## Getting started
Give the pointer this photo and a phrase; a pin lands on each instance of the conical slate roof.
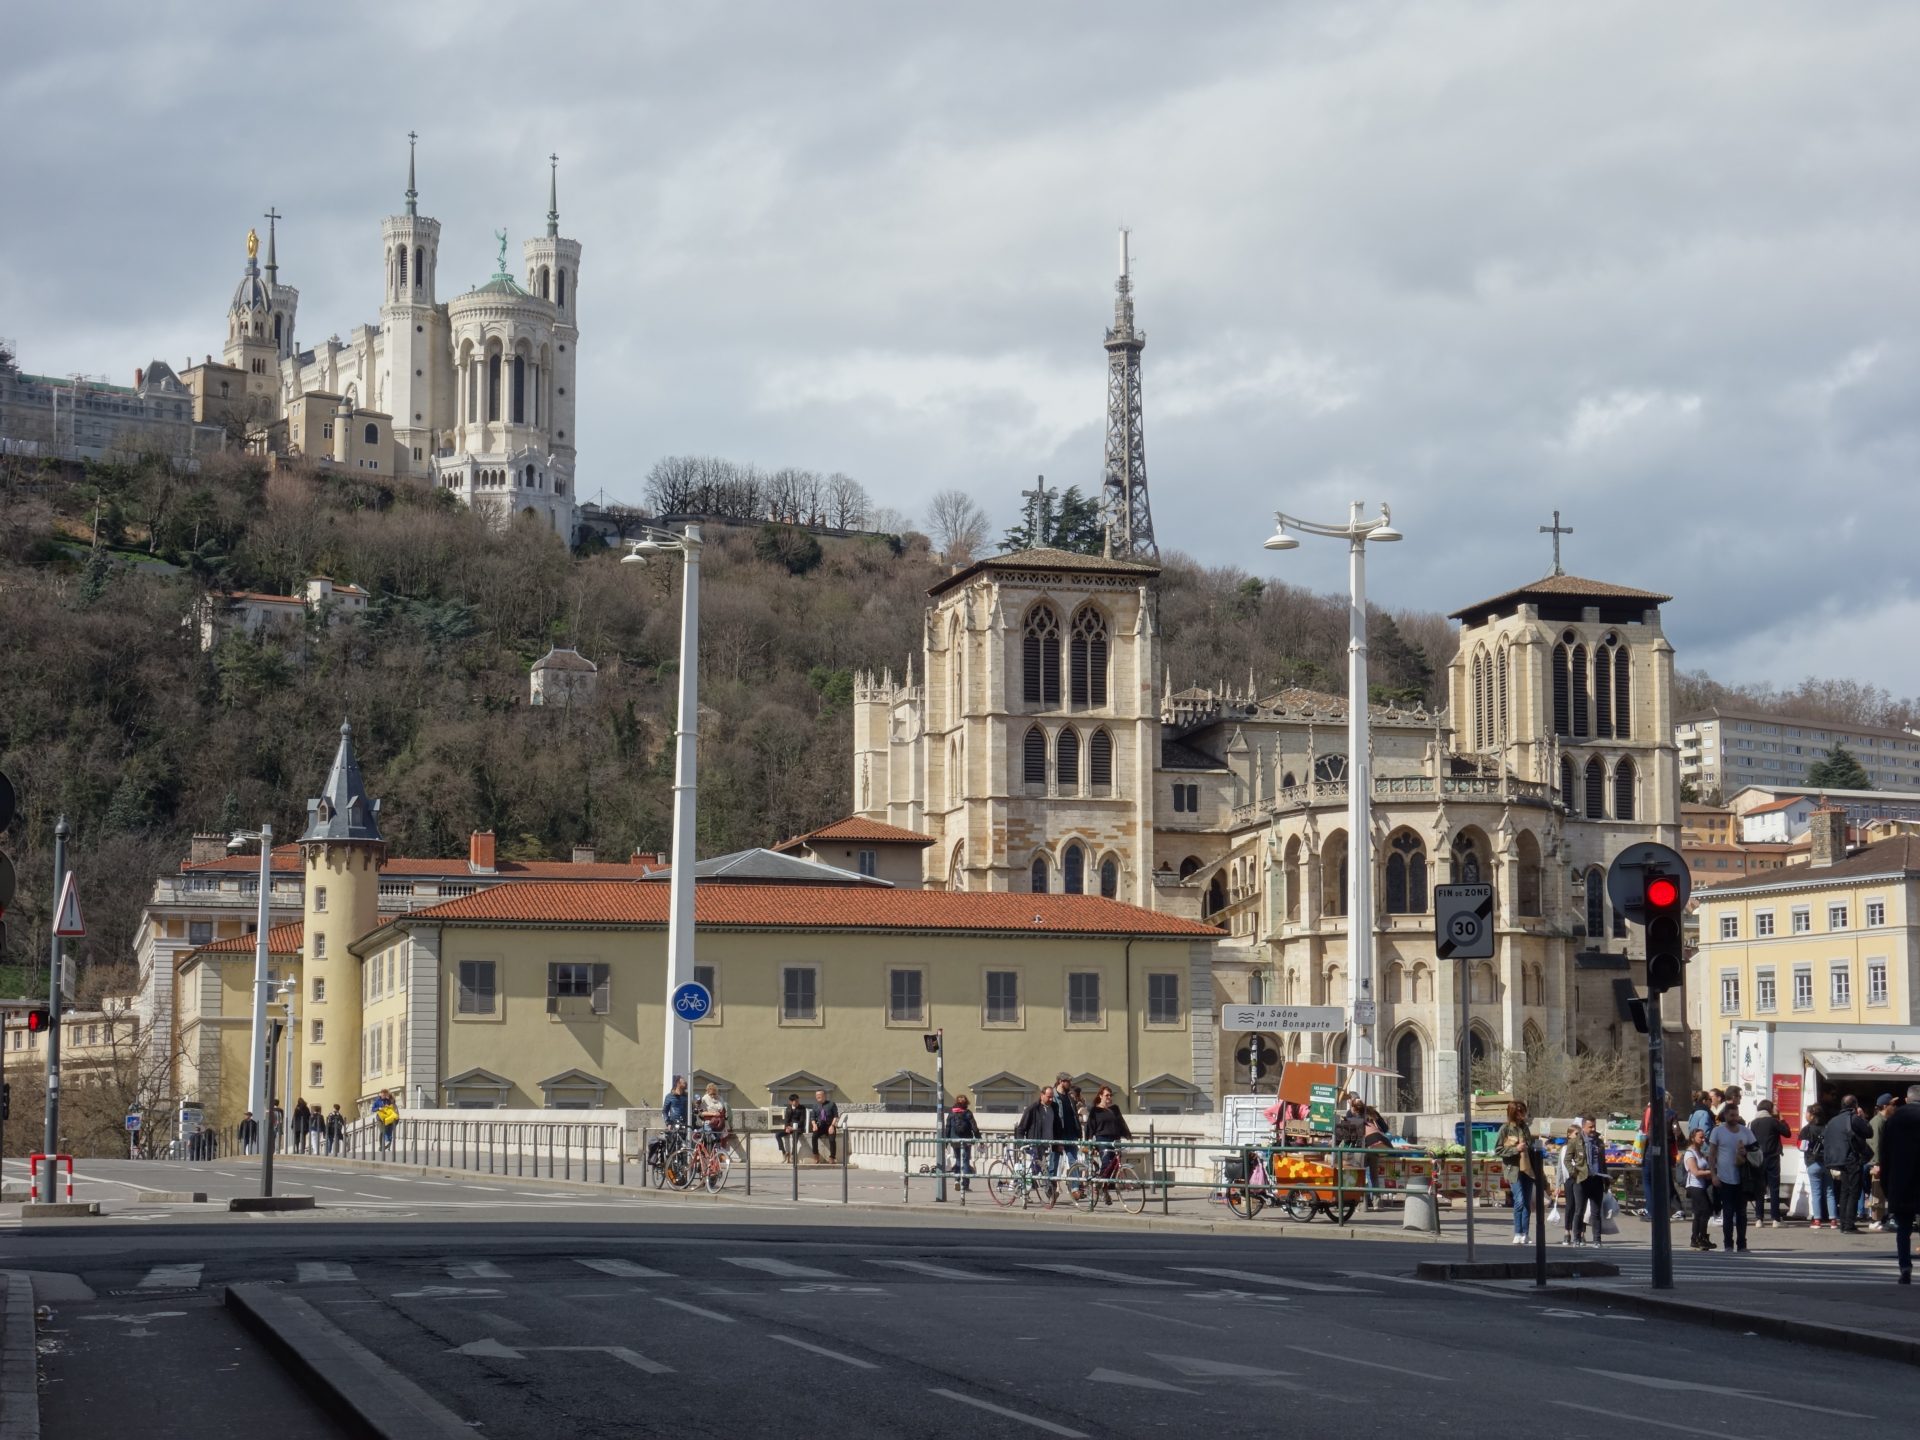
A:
(342, 812)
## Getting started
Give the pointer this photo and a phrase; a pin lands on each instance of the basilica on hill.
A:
(473, 394)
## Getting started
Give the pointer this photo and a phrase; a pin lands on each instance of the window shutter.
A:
(553, 989)
(602, 989)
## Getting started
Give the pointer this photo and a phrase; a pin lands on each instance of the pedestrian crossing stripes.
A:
(1088, 1272)
(475, 1270)
(1285, 1282)
(320, 1272)
(172, 1277)
(625, 1269)
(937, 1272)
(785, 1269)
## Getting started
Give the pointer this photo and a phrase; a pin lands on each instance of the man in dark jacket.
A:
(961, 1126)
(793, 1123)
(1036, 1125)
(1899, 1166)
(1772, 1132)
(1066, 1118)
(248, 1134)
(826, 1126)
(1844, 1146)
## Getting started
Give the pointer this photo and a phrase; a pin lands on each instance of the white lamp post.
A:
(1360, 987)
(678, 1041)
(257, 1097)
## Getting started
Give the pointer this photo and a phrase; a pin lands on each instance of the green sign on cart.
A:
(1320, 1107)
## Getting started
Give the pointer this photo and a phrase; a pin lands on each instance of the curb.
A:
(171, 1197)
(1513, 1270)
(269, 1202)
(349, 1380)
(1780, 1327)
(59, 1209)
(19, 1359)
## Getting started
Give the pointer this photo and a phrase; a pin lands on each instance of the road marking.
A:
(475, 1270)
(1033, 1420)
(1316, 1286)
(368, 1195)
(316, 1272)
(494, 1350)
(437, 1184)
(1369, 1364)
(443, 1292)
(1199, 1367)
(695, 1310)
(1149, 1315)
(821, 1350)
(625, 1269)
(785, 1269)
(1089, 1272)
(1655, 1382)
(172, 1277)
(939, 1272)
(499, 1322)
(333, 1189)
(1638, 1419)
(1138, 1382)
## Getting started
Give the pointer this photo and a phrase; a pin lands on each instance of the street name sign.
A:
(1286, 1019)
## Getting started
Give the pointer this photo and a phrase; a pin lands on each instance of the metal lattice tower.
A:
(1123, 497)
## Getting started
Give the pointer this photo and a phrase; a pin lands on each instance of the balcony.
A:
(224, 893)
(1395, 787)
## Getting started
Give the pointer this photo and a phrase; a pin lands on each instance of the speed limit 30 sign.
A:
(1463, 922)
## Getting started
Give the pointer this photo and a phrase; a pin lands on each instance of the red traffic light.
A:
(1663, 893)
(38, 1021)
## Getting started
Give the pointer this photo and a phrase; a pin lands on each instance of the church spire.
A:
(1128, 519)
(342, 811)
(553, 195)
(273, 262)
(413, 192)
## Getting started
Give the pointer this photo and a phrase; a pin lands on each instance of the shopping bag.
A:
(1609, 1216)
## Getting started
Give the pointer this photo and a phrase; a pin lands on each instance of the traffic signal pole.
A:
(1658, 1168)
(52, 1145)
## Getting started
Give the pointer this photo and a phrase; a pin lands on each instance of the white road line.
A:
(1641, 1419)
(625, 1269)
(1033, 1420)
(785, 1269)
(1259, 1279)
(1159, 1319)
(939, 1272)
(333, 1189)
(369, 1195)
(823, 1351)
(695, 1310)
(172, 1277)
(315, 1272)
(1655, 1382)
(1369, 1364)
(475, 1270)
(1090, 1273)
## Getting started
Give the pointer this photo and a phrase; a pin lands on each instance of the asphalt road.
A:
(622, 1317)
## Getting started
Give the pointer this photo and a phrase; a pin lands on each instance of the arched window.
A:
(1042, 657)
(560, 288)
(546, 284)
(1066, 760)
(1406, 874)
(1189, 865)
(1039, 875)
(1100, 762)
(373, 434)
(1596, 789)
(1566, 781)
(1033, 768)
(1408, 1060)
(493, 386)
(1110, 878)
(1530, 1035)
(1500, 685)
(1581, 725)
(1287, 782)
(1562, 686)
(1529, 877)
(1074, 871)
(1333, 874)
(1478, 1046)
(419, 266)
(1622, 695)
(957, 867)
(1293, 872)
(519, 390)
(1330, 768)
(1469, 859)
(276, 329)
(1596, 904)
(1216, 895)
(1479, 736)
(1088, 658)
(1623, 788)
(1603, 691)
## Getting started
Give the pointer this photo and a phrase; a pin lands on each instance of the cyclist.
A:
(1107, 1127)
(674, 1108)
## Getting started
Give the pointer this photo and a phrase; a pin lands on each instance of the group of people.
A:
(314, 1131)
(1581, 1175)
(710, 1113)
(1059, 1120)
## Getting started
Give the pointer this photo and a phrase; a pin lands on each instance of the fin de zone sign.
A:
(67, 923)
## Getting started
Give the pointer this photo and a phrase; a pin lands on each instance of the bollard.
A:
(1421, 1212)
(793, 1164)
(846, 1154)
(746, 1148)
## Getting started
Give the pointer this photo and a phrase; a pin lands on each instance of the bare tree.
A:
(889, 521)
(958, 525)
(846, 502)
(671, 484)
(1558, 1085)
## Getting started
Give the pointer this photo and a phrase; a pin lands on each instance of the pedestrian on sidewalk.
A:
(1570, 1167)
(1514, 1146)
(1598, 1180)
(386, 1111)
(1728, 1146)
(793, 1123)
(301, 1120)
(1870, 1175)
(1819, 1182)
(1702, 1117)
(961, 1126)
(1772, 1132)
(1035, 1126)
(248, 1134)
(1699, 1187)
(277, 1127)
(1844, 1144)
(336, 1131)
(1899, 1164)
(1066, 1121)
(826, 1126)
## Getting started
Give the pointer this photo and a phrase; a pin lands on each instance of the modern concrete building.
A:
(1723, 750)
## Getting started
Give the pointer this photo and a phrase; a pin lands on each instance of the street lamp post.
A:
(289, 991)
(678, 1041)
(257, 1096)
(1360, 920)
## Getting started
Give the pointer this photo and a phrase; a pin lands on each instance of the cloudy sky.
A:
(1652, 265)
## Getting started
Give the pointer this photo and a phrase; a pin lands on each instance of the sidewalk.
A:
(1871, 1316)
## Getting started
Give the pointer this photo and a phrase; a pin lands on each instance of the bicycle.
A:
(708, 1162)
(1011, 1176)
(669, 1162)
(1115, 1182)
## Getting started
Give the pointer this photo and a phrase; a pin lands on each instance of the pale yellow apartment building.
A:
(1807, 975)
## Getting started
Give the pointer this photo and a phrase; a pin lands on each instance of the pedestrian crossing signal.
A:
(39, 1021)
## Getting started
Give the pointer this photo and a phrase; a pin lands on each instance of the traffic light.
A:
(6, 862)
(39, 1021)
(1666, 898)
(6, 1102)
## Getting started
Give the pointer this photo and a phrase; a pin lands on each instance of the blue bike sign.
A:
(692, 1001)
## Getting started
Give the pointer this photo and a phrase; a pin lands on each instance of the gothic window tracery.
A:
(1406, 874)
(1041, 657)
(1074, 871)
(1088, 659)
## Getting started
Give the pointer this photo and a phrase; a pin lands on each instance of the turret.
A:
(414, 327)
(553, 274)
(250, 344)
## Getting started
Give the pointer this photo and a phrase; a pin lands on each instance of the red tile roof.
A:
(281, 940)
(1563, 587)
(854, 830)
(286, 861)
(803, 907)
(1786, 804)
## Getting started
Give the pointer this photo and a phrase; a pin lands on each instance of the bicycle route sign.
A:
(692, 1001)
(1463, 922)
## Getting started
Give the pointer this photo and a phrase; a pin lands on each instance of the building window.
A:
(318, 1032)
(1074, 871)
(1066, 760)
(1003, 997)
(319, 945)
(1762, 923)
(1110, 878)
(1033, 765)
(1100, 762)
(1803, 987)
(1842, 986)
(1596, 787)
(1041, 657)
(1163, 999)
(1088, 659)
(1730, 993)
(1836, 917)
(319, 899)
(1038, 875)
(799, 993)
(1083, 997)
(1876, 982)
(326, 431)
(708, 976)
(1876, 913)
(869, 862)
(373, 435)
(316, 1075)
(1623, 790)
(1729, 927)
(576, 980)
(199, 932)
(478, 995)
(1406, 875)
(319, 990)
(1802, 920)
(1765, 992)
(904, 1000)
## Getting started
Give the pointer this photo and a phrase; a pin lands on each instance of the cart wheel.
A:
(1298, 1205)
(1346, 1211)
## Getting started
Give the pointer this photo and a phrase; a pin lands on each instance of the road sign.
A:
(67, 922)
(133, 1121)
(692, 1001)
(1364, 1012)
(1463, 922)
(1629, 868)
(1287, 1019)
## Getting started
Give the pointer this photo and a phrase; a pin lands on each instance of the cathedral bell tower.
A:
(413, 326)
(250, 346)
(553, 275)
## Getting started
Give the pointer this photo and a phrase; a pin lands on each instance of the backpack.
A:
(1813, 1146)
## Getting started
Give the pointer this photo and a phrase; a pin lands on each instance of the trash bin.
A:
(1421, 1213)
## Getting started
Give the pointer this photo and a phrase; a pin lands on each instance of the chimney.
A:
(1827, 827)
(660, 857)
(583, 854)
(480, 852)
(206, 847)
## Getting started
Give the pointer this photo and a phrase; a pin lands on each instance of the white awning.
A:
(1864, 1062)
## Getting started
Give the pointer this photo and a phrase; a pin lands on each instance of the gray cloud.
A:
(1649, 264)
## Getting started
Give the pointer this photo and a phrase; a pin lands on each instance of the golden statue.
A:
(253, 242)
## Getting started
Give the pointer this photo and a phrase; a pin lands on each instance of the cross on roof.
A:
(273, 214)
(1556, 530)
(1037, 508)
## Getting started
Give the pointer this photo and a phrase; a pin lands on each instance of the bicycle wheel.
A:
(1243, 1199)
(1129, 1190)
(1002, 1183)
(1077, 1184)
(676, 1168)
(714, 1172)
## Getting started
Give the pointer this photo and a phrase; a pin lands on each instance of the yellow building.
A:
(1807, 975)
(555, 996)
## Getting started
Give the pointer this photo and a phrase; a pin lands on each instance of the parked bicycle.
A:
(1014, 1175)
(1113, 1181)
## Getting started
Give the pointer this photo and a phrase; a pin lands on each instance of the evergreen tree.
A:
(1059, 520)
(1838, 770)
